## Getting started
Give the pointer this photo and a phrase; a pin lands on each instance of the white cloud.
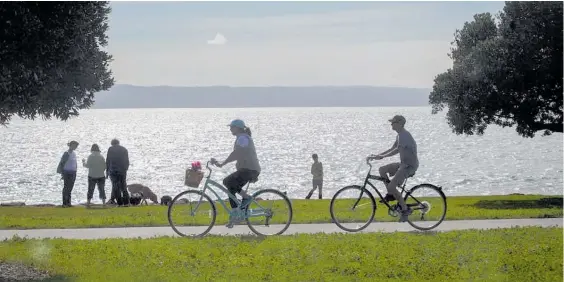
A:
(218, 40)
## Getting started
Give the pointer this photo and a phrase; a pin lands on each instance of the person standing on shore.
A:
(67, 168)
(317, 172)
(96, 167)
(117, 164)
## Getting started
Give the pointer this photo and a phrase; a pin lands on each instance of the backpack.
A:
(63, 161)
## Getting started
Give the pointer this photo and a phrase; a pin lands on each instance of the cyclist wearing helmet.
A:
(247, 164)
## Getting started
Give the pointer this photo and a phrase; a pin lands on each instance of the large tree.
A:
(51, 58)
(506, 73)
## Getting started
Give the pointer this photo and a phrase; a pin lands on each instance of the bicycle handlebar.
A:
(211, 161)
(208, 167)
(369, 164)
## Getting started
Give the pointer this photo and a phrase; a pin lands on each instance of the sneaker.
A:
(234, 217)
(233, 221)
(404, 214)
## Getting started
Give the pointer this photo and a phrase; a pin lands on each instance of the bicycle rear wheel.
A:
(192, 216)
(429, 206)
(352, 208)
(270, 213)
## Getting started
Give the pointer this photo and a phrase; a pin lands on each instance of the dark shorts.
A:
(235, 181)
(317, 183)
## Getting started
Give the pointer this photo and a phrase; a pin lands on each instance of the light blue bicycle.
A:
(192, 213)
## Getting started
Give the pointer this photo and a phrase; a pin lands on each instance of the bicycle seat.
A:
(253, 180)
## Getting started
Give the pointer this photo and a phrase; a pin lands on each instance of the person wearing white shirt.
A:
(67, 168)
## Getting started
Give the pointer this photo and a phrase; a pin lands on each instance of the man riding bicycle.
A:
(406, 146)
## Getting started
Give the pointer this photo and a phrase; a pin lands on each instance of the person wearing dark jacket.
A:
(117, 164)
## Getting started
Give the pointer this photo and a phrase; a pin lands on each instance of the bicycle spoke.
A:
(270, 213)
(428, 205)
(352, 208)
(191, 213)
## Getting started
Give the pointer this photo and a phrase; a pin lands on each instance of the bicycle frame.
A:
(207, 186)
(370, 176)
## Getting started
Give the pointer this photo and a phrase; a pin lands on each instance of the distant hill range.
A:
(129, 96)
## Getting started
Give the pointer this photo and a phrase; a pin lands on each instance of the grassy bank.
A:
(305, 211)
(519, 254)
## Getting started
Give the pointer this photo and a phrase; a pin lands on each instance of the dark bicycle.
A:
(427, 201)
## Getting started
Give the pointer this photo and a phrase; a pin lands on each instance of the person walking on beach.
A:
(117, 164)
(96, 167)
(317, 172)
(67, 168)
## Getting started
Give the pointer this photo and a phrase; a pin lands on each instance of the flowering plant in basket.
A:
(194, 175)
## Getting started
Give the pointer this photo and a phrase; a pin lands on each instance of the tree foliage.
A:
(51, 58)
(506, 73)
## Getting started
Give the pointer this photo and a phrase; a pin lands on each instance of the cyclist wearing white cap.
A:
(248, 167)
(406, 146)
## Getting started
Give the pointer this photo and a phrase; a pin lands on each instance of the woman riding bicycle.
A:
(248, 167)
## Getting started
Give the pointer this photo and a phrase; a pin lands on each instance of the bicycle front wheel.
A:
(191, 214)
(352, 208)
(270, 213)
(428, 205)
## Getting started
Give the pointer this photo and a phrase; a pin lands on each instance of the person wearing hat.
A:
(67, 168)
(406, 146)
(247, 164)
(96, 165)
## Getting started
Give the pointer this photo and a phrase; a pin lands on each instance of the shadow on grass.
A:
(99, 207)
(424, 232)
(19, 271)
(544, 203)
(58, 278)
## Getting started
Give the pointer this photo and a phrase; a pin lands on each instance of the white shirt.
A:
(70, 165)
(96, 165)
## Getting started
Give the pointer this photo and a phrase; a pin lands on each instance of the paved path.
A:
(148, 232)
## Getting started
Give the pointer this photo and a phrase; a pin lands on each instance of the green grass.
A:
(305, 211)
(518, 254)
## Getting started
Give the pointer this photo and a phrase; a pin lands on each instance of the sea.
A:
(162, 143)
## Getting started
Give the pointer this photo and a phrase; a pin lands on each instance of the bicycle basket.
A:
(193, 178)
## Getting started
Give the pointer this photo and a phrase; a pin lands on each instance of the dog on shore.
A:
(145, 192)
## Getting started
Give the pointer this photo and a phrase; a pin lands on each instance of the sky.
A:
(400, 44)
